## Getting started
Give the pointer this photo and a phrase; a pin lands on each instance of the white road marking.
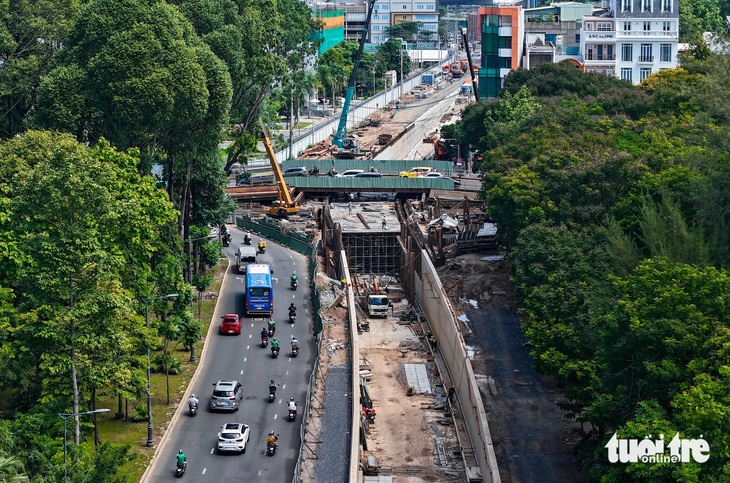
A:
(251, 324)
(204, 470)
(287, 373)
(244, 359)
(241, 371)
(284, 386)
(211, 450)
(248, 346)
(276, 416)
(250, 335)
(290, 359)
(259, 472)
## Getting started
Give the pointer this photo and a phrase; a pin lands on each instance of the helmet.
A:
(192, 395)
(180, 452)
(274, 338)
(292, 336)
(272, 381)
(271, 433)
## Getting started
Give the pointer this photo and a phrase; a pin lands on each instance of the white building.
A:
(393, 12)
(631, 39)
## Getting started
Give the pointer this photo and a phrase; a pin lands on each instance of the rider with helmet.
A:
(294, 343)
(272, 326)
(274, 343)
(192, 401)
(182, 460)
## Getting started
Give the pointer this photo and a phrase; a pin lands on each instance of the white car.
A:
(350, 173)
(439, 175)
(233, 437)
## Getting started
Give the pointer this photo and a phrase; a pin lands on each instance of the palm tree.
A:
(11, 470)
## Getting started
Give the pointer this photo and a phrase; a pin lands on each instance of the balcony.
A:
(598, 58)
(646, 59)
(595, 36)
(643, 34)
(505, 31)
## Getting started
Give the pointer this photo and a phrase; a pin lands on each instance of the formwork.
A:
(368, 232)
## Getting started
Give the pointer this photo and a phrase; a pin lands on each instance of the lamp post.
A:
(190, 281)
(66, 416)
(150, 439)
(401, 67)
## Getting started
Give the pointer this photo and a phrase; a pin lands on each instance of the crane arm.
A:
(471, 66)
(341, 133)
(283, 189)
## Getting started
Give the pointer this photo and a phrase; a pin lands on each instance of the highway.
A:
(241, 357)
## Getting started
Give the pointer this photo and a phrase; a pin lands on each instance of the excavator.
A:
(284, 206)
(348, 147)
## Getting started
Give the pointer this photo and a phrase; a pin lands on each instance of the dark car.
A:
(368, 175)
(226, 396)
(231, 324)
(298, 171)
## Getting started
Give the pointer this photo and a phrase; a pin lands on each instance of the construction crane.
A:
(471, 66)
(284, 206)
(348, 147)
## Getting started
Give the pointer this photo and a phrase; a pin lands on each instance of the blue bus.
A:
(259, 291)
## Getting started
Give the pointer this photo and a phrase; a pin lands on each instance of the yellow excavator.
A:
(284, 206)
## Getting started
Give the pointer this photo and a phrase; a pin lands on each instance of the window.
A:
(647, 26)
(577, 38)
(646, 5)
(646, 55)
(665, 52)
(430, 7)
(404, 7)
(627, 26)
(384, 7)
(420, 6)
(626, 74)
(405, 17)
(667, 26)
(626, 5)
(505, 42)
(376, 27)
(605, 26)
(589, 26)
(627, 53)
(666, 5)
(644, 73)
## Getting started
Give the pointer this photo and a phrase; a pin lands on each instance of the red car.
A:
(231, 324)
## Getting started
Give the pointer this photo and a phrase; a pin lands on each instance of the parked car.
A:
(298, 171)
(439, 175)
(233, 437)
(231, 324)
(368, 175)
(226, 396)
(350, 173)
(416, 172)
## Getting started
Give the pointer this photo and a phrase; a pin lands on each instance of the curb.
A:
(181, 407)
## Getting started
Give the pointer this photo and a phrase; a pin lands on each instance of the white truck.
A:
(244, 256)
(378, 305)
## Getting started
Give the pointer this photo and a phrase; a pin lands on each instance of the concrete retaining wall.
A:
(432, 299)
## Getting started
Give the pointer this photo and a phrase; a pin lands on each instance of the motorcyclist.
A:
(292, 309)
(192, 401)
(292, 404)
(264, 333)
(271, 438)
(247, 238)
(272, 326)
(274, 343)
(262, 245)
(294, 343)
(182, 460)
(272, 387)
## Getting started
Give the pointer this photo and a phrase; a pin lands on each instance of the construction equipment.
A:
(348, 147)
(471, 66)
(284, 206)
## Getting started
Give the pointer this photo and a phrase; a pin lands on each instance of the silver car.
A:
(226, 396)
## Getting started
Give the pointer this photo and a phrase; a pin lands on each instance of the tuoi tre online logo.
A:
(652, 451)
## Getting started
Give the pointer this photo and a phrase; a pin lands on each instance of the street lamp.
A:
(66, 416)
(150, 440)
(190, 281)
(401, 65)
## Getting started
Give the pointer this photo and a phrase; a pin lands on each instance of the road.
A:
(242, 358)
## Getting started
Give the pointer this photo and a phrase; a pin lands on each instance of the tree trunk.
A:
(167, 381)
(75, 387)
(120, 410)
(170, 173)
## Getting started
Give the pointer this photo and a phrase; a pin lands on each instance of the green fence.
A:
(387, 183)
(383, 166)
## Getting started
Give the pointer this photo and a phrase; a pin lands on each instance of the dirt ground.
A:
(532, 440)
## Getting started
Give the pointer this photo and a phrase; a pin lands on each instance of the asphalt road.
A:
(242, 358)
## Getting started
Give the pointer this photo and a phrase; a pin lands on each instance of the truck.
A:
(378, 305)
(244, 256)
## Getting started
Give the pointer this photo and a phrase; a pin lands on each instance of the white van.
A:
(350, 173)
(245, 255)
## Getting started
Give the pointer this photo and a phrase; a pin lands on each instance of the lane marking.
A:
(276, 416)
(283, 387)
(211, 450)
(241, 372)
(244, 359)
(259, 473)
(250, 335)
(204, 470)
(287, 373)
(248, 346)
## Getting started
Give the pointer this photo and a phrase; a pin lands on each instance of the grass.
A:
(117, 431)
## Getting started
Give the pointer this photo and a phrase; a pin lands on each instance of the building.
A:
(388, 13)
(333, 26)
(502, 39)
(631, 39)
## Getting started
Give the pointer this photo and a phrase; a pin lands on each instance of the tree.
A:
(407, 31)
(11, 470)
(31, 33)
(389, 56)
(698, 16)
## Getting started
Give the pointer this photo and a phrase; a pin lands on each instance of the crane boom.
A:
(341, 134)
(285, 201)
(471, 67)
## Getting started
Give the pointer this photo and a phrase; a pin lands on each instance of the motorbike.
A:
(332, 172)
(262, 247)
(272, 329)
(247, 239)
(294, 284)
(272, 393)
(275, 351)
(293, 413)
(294, 350)
(180, 470)
(292, 317)
(370, 414)
(227, 239)
(271, 448)
(264, 342)
(193, 410)
(314, 171)
(363, 327)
